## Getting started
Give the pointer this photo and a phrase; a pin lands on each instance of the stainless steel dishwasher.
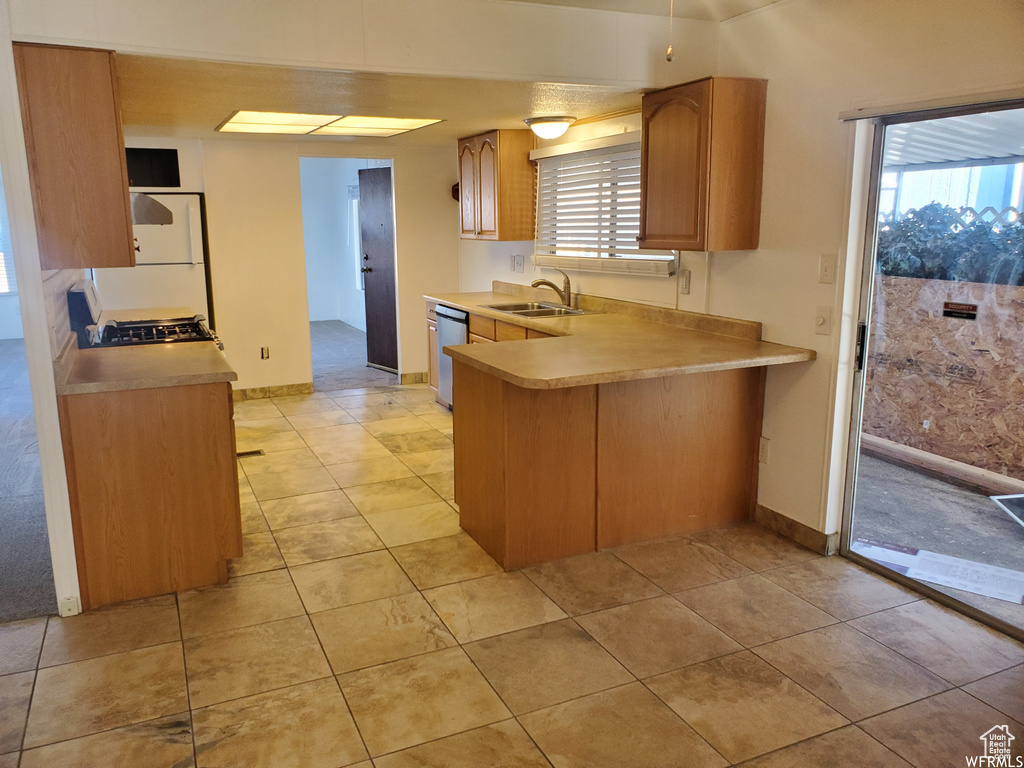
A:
(452, 329)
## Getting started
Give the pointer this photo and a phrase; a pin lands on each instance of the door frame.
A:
(863, 296)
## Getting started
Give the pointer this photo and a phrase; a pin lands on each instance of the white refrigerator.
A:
(170, 264)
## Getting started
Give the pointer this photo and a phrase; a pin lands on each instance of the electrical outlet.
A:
(763, 449)
(684, 281)
(264, 353)
(520, 262)
(827, 268)
(823, 321)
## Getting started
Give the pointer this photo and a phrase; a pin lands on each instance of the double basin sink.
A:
(535, 309)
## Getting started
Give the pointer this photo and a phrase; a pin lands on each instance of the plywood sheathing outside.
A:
(965, 377)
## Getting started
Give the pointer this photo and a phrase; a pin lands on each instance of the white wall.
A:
(332, 266)
(10, 316)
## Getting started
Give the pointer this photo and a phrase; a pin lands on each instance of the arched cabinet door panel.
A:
(496, 186)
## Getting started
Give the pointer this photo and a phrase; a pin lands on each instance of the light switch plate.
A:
(827, 268)
(684, 281)
(512, 263)
(823, 321)
(520, 262)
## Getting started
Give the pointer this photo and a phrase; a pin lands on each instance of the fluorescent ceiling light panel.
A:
(325, 125)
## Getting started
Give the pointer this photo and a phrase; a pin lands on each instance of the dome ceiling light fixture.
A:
(550, 127)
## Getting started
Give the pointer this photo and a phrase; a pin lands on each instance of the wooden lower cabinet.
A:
(153, 482)
(546, 474)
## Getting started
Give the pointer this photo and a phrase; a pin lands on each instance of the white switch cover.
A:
(823, 321)
(511, 263)
(520, 262)
(827, 268)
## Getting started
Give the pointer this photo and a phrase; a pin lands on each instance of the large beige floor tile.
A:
(439, 419)
(443, 483)
(363, 413)
(436, 562)
(625, 727)
(349, 400)
(279, 461)
(291, 482)
(743, 706)
(426, 408)
(20, 643)
(263, 426)
(429, 462)
(405, 526)
(1004, 691)
(245, 494)
(756, 547)
(850, 672)
(307, 508)
(243, 662)
(413, 393)
(348, 580)
(111, 629)
(680, 563)
(10, 760)
(380, 631)
(942, 641)
(360, 448)
(655, 636)
(416, 442)
(492, 605)
(409, 702)
(162, 743)
(290, 405)
(121, 689)
(403, 426)
(502, 745)
(848, 746)
(328, 417)
(839, 587)
(305, 725)
(339, 434)
(753, 610)
(320, 541)
(590, 583)
(545, 665)
(941, 731)
(249, 410)
(242, 602)
(253, 520)
(259, 554)
(392, 494)
(369, 471)
(15, 695)
(254, 440)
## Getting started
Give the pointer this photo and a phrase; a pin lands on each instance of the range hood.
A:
(146, 210)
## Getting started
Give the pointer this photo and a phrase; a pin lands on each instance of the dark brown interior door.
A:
(377, 228)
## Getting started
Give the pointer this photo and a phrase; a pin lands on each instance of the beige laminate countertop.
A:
(111, 369)
(602, 348)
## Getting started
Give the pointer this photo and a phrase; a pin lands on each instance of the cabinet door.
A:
(76, 159)
(432, 355)
(487, 162)
(674, 176)
(468, 186)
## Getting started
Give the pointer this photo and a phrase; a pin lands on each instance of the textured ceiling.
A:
(713, 10)
(984, 136)
(191, 98)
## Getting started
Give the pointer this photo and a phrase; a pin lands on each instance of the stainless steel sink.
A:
(535, 309)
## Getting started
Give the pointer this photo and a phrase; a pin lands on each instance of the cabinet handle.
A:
(366, 269)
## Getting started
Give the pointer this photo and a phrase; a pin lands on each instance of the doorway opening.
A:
(350, 275)
(26, 571)
(937, 471)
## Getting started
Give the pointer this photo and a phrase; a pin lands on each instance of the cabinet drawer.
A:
(532, 334)
(475, 339)
(481, 326)
(508, 332)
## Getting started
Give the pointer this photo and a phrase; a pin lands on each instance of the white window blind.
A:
(588, 209)
(7, 283)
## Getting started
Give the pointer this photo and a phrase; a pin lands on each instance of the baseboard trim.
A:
(822, 543)
(279, 390)
(415, 378)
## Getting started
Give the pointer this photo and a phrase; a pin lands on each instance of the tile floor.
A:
(362, 628)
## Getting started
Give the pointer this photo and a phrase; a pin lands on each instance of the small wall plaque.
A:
(963, 311)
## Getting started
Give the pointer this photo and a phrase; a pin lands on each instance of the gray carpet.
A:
(339, 358)
(26, 576)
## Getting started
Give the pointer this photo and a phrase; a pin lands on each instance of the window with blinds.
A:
(588, 212)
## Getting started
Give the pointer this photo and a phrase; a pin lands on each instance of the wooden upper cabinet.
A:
(76, 159)
(496, 186)
(702, 153)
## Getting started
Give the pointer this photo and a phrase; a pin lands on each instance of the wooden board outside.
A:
(965, 377)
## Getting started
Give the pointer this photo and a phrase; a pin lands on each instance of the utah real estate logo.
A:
(998, 750)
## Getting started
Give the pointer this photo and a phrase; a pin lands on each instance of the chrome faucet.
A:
(564, 293)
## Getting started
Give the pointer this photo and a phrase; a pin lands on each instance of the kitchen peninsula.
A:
(631, 423)
(149, 448)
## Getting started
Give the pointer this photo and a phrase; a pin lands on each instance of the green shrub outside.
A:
(924, 244)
